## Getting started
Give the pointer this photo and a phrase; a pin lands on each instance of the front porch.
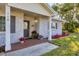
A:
(27, 43)
(16, 21)
(34, 50)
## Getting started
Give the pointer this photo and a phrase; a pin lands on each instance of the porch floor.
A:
(35, 50)
(27, 43)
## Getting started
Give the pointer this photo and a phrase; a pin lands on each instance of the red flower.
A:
(22, 39)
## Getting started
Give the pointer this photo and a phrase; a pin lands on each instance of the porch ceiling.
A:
(31, 7)
(28, 13)
(2, 6)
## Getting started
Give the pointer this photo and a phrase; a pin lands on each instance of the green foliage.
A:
(67, 11)
(68, 46)
(70, 26)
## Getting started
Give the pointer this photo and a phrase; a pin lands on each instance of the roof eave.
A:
(47, 7)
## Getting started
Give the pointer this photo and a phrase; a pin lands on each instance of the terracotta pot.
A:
(22, 42)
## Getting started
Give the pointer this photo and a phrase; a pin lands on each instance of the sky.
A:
(50, 4)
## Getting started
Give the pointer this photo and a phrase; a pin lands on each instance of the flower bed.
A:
(62, 35)
(59, 36)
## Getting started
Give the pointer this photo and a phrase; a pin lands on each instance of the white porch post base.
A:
(50, 30)
(7, 28)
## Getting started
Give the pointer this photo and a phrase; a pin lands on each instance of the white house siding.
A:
(59, 28)
(43, 26)
(19, 25)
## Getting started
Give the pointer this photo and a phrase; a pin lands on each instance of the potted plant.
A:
(22, 39)
(35, 35)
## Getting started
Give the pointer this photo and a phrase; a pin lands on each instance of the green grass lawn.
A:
(68, 46)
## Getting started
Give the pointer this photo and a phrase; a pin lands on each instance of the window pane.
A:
(12, 24)
(54, 25)
(2, 23)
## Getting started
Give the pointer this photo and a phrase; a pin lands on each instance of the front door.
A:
(26, 28)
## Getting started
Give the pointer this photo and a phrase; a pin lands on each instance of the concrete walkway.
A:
(35, 50)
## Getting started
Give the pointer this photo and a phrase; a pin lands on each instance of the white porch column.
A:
(50, 30)
(7, 28)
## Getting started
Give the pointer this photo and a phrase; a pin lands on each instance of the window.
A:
(2, 23)
(12, 27)
(54, 25)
